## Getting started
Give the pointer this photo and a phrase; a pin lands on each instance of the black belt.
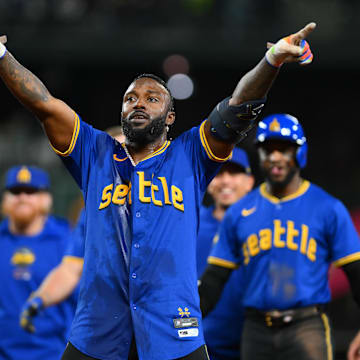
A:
(278, 318)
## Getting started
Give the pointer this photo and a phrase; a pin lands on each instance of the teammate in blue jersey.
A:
(222, 327)
(138, 292)
(284, 235)
(60, 283)
(32, 243)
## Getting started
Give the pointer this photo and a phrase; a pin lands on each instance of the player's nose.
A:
(225, 177)
(275, 155)
(139, 104)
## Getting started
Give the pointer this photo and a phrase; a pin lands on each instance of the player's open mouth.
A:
(139, 118)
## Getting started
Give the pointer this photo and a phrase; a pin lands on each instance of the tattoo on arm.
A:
(22, 83)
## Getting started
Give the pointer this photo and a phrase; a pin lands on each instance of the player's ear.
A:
(46, 202)
(170, 118)
(5, 204)
(250, 182)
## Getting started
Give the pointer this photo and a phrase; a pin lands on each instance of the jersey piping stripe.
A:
(69, 258)
(207, 148)
(73, 139)
(327, 336)
(221, 262)
(302, 190)
(347, 259)
(158, 151)
(117, 159)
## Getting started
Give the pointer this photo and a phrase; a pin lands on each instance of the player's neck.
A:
(27, 229)
(280, 191)
(219, 212)
(138, 152)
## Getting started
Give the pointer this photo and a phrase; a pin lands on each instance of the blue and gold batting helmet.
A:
(283, 127)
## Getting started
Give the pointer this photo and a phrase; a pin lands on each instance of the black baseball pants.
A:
(304, 339)
(71, 353)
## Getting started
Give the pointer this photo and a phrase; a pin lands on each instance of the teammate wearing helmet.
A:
(285, 234)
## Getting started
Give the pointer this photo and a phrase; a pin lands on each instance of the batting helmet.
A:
(283, 127)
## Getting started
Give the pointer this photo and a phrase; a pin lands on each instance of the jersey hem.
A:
(73, 139)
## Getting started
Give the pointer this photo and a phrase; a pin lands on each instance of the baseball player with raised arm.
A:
(138, 292)
(285, 234)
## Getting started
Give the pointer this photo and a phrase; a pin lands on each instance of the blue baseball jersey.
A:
(208, 229)
(286, 246)
(76, 247)
(223, 325)
(24, 263)
(141, 225)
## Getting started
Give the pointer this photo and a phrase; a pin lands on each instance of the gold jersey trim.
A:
(73, 139)
(221, 262)
(347, 259)
(207, 148)
(69, 258)
(117, 159)
(302, 190)
(159, 151)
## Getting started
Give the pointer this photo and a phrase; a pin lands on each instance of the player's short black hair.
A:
(161, 82)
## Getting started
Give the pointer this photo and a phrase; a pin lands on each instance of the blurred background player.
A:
(32, 243)
(60, 283)
(285, 234)
(222, 327)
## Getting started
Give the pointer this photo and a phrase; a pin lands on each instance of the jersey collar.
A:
(300, 191)
(159, 151)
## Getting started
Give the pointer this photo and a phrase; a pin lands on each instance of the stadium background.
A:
(87, 52)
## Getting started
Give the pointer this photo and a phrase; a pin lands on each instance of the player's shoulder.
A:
(206, 210)
(100, 135)
(249, 201)
(318, 193)
(327, 202)
(187, 134)
(57, 226)
(4, 226)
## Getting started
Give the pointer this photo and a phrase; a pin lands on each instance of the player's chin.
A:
(277, 181)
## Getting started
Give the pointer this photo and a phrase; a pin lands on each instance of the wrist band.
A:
(269, 57)
(2, 50)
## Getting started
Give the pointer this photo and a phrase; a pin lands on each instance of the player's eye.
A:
(130, 99)
(153, 99)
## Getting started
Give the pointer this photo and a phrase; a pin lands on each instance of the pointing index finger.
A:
(304, 32)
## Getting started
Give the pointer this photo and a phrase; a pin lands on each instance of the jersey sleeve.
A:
(76, 247)
(81, 153)
(344, 240)
(225, 252)
(205, 163)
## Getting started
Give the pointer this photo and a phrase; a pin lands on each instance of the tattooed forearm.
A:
(22, 83)
(255, 84)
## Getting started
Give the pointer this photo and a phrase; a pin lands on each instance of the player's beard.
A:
(280, 184)
(146, 135)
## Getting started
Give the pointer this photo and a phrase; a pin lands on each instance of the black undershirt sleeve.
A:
(352, 271)
(211, 285)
